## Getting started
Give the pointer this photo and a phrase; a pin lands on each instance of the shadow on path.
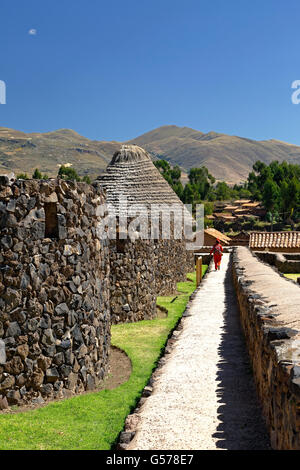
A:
(242, 426)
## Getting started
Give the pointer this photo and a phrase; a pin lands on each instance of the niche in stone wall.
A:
(120, 245)
(51, 220)
(121, 241)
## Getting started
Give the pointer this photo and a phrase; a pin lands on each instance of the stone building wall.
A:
(284, 262)
(135, 188)
(132, 281)
(269, 312)
(140, 271)
(54, 287)
(172, 263)
(277, 250)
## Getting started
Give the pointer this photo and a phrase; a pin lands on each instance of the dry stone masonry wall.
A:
(269, 311)
(54, 286)
(172, 263)
(284, 262)
(142, 270)
(132, 281)
(61, 285)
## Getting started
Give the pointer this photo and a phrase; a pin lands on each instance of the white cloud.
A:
(32, 32)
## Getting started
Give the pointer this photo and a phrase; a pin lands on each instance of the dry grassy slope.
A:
(20, 152)
(227, 157)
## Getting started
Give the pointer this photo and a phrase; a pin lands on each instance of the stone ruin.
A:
(62, 284)
(269, 313)
(54, 286)
(142, 269)
(285, 262)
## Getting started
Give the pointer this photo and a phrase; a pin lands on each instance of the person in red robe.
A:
(217, 251)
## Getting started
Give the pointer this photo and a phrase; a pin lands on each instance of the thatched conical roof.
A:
(131, 173)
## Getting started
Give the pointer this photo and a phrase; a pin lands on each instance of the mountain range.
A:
(228, 158)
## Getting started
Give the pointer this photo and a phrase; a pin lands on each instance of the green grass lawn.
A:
(94, 420)
(292, 276)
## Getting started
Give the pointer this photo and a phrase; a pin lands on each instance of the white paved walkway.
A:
(204, 397)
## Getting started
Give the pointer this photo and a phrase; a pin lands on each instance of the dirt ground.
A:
(119, 372)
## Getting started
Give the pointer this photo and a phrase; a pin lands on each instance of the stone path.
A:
(204, 396)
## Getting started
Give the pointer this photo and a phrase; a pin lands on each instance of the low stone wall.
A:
(291, 251)
(269, 310)
(284, 262)
(206, 249)
(292, 256)
(54, 286)
(206, 257)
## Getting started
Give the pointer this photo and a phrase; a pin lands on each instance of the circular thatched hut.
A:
(148, 257)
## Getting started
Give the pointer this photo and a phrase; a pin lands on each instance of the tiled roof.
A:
(251, 204)
(243, 209)
(250, 216)
(222, 214)
(216, 234)
(228, 217)
(274, 240)
(242, 201)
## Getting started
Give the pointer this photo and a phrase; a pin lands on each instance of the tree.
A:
(208, 208)
(68, 173)
(271, 196)
(171, 175)
(285, 190)
(178, 188)
(22, 176)
(201, 182)
(222, 191)
(37, 175)
(86, 179)
(290, 193)
(188, 194)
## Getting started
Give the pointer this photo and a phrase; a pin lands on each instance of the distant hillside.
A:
(227, 157)
(20, 152)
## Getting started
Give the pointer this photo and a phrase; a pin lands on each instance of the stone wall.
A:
(54, 286)
(206, 249)
(172, 262)
(269, 310)
(272, 249)
(132, 281)
(140, 271)
(61, 287)
(284, 262)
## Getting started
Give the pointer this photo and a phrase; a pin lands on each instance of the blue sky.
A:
(114, 70)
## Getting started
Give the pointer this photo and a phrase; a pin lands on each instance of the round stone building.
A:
(142, 268)
(54, 286)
